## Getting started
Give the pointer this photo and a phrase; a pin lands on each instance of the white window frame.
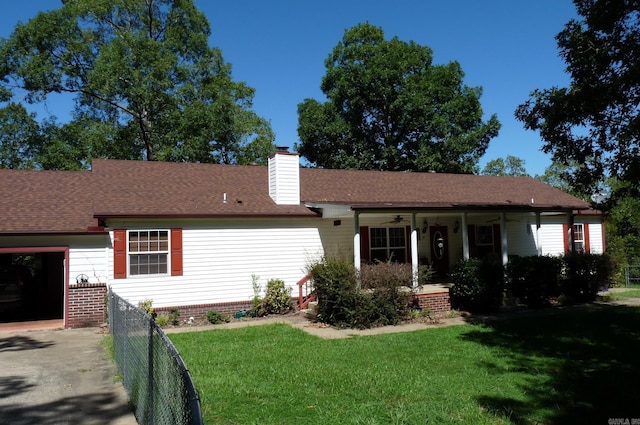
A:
(160, 251)
(388, 248)
(480, 242)
(578, 238)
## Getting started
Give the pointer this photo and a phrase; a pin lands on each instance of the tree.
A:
(595, 121)
(509, 166)
(146, 85)
(390, 108)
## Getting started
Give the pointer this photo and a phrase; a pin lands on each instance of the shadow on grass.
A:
(580, 365)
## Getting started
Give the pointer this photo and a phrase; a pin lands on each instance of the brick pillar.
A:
(87, 302)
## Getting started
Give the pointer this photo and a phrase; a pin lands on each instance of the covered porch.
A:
(440, 238)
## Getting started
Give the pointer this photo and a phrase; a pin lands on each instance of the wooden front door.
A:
(439, 250)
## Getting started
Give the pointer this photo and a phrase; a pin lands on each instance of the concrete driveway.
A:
(59, 377)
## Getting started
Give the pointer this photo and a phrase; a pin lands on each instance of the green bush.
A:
(162, 319)
(277, 300)
(478, 285)
(386, 274)
(215, 317)
(345, 302)
(584, 275)
(534, 279)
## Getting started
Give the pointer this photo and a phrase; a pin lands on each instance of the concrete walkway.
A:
(59, 377)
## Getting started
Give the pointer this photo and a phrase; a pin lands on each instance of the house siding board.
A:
(87, 253)
(220, 258)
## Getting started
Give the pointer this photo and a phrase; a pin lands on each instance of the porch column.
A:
(538, 241)
(570, 235)
(356, 240)
(503, 236)
(465, 237)
(414, 251)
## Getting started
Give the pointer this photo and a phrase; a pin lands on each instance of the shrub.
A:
(343, 302)
(534, 279)
(478, 285)
(215, 317)
(147, 307)
(584, 275)
(174, 316)
(162, 320)
(389, 274)
(277, 300)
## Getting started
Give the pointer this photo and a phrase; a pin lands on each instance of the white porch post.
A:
(503, 235)
(570, 230)
(465, 237)
(538, 241)
(414, 250)
(356, 240)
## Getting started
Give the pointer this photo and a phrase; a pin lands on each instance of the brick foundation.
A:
(86, 306)
(438, 302)
(186, 311)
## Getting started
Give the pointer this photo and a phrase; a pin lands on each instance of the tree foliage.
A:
(390, 108)
(145, 83)
(595, 121)
(509, 166)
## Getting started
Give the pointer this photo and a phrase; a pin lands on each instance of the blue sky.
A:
(278, 47)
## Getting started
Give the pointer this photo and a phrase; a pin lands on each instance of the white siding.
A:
(87, 253)
(220, 257)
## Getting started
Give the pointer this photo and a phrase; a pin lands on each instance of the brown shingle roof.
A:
(141, 188)
(49, 201)
(431, 190)
(45, 201)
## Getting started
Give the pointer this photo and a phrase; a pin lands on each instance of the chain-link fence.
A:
(632, 275)
(159, 385)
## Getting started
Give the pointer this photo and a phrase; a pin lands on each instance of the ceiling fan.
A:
(508, 220)
(397, 219)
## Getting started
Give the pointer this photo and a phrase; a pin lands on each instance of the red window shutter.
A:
(176, 252)
(585, 235)
(565, 233)
(497, 240)
(364, 244)
(119, 254)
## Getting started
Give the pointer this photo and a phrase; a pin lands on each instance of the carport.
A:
(42, 275)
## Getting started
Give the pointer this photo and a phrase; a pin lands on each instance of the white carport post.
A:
(465, 237)
(538, 241)
(356, 241)
(503, 234)
(414, 251)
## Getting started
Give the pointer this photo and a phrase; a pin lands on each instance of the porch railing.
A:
(305, 292)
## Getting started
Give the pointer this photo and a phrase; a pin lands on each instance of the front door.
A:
(439, 250)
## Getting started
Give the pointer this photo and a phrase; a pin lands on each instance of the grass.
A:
(575, 366)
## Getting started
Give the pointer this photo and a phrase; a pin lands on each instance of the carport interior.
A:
(40, 276)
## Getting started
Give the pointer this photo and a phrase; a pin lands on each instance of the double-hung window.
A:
(148, 252)
(388, 244)
(578, 238)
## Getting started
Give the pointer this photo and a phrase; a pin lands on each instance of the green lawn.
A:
(575, 366)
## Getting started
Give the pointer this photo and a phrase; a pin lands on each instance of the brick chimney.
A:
(284, 176)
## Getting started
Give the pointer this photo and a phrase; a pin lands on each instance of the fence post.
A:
(150, 380)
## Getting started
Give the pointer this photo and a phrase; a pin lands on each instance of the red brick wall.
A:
(186, 311)
(439, 302)
(86, 305)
